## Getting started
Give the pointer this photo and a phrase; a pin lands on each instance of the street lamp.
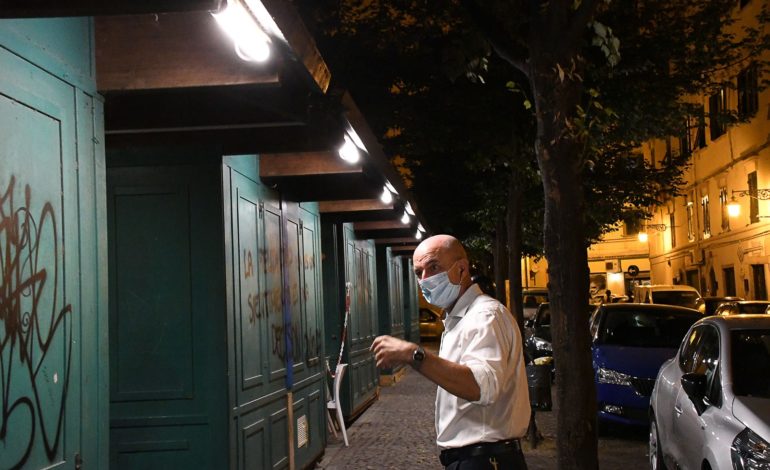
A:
(734, 207)
(642, 235)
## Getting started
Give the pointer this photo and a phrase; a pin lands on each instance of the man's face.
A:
(593, 288)
(429, 261)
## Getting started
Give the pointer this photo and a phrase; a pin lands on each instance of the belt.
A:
(448, 456)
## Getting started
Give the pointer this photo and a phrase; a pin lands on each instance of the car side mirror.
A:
(694, 386)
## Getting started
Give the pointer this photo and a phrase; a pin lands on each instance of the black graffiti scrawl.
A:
(35, 329)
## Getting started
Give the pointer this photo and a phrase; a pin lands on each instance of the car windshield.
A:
(647, 328)
(752, 308)
(683, 298)
(751, 362)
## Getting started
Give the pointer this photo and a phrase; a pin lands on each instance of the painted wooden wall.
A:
(275, 323)
(351, 262)
(53, 336)
(411, 302)
(167, 311)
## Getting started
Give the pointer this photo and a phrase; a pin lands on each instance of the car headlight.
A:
(542, 345)
(609, 376)
(750, 452)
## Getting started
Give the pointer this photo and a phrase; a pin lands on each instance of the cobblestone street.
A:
(397, 432)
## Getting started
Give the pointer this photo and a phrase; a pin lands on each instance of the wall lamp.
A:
(251, 42)
(734, 207)
(642, 236)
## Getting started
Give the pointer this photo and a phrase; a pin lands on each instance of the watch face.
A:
(419, 354)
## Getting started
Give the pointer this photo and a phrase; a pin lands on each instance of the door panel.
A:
(167, 351)
(42, 317)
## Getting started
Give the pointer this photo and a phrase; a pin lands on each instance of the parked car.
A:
(710, 407)
(431, 326)
(538, 332)
(668, 294)
(531, 298)
(629, 344)
(742, 307)
(711, 303)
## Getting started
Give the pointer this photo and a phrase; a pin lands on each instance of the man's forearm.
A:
(455, 378)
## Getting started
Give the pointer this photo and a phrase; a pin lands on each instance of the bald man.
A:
(482, 400)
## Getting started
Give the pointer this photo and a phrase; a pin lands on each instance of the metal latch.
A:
(78, 462)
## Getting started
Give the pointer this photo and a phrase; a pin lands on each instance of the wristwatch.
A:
(417, 356)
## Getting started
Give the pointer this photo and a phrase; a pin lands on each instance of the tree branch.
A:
(496, 35)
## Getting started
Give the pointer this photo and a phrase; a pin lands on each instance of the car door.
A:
(689, 428)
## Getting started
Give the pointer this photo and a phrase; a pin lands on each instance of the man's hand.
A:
(389, 351)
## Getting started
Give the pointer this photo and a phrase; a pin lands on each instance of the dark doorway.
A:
(760, 288)
(729, 281)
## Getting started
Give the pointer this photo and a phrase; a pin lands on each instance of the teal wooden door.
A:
(51, 214)
(274, 322)
(168, 381)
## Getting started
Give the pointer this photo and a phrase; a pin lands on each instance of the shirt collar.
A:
(465, 301)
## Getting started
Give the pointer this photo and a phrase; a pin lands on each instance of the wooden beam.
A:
(380, 225)
(276, 165)
(399, 249)
(172, 50)
(299, 40)
(353, 205)
(394, 241)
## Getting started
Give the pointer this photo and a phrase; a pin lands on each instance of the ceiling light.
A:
(390, 187)
(405, 218)
(348, 151)
(409, 209)
(420, 227)
(251, 43)
(418, 235)
(387, 196)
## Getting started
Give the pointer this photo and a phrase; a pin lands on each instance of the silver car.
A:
(710, 408)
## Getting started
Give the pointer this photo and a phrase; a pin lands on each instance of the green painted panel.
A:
(273, 293)
(311, 293)
(60, 46)
(250, 313)
(292, 256)
(167, 322)
(50, 296)
(152, 249)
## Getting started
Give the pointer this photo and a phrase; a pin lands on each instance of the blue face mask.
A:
(439, 290)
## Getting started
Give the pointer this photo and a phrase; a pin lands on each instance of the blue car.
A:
(629, 344)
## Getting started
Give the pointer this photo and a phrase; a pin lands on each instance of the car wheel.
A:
(655, 452)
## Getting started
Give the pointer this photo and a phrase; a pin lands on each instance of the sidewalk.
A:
(397, 432)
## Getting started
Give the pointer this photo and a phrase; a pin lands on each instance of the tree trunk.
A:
(560, 162)
(501, 260)
(514, 224)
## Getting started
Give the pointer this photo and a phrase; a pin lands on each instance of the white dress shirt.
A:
(480, 333)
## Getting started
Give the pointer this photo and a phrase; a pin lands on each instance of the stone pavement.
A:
(397, 432)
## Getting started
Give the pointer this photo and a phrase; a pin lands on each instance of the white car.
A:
(710, 408)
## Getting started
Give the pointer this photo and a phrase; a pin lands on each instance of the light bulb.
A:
(387, 196)
(348, 151)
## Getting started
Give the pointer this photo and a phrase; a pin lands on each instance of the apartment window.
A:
(753, 198)
(672, 229)
(704, 205)
(685, 142)
(700, 134)
(717, 108)
(723, 202)
(748, 92)
(690, 220)
(729, 281)
(631, 228)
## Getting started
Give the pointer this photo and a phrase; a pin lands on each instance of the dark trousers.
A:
(505, 459)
